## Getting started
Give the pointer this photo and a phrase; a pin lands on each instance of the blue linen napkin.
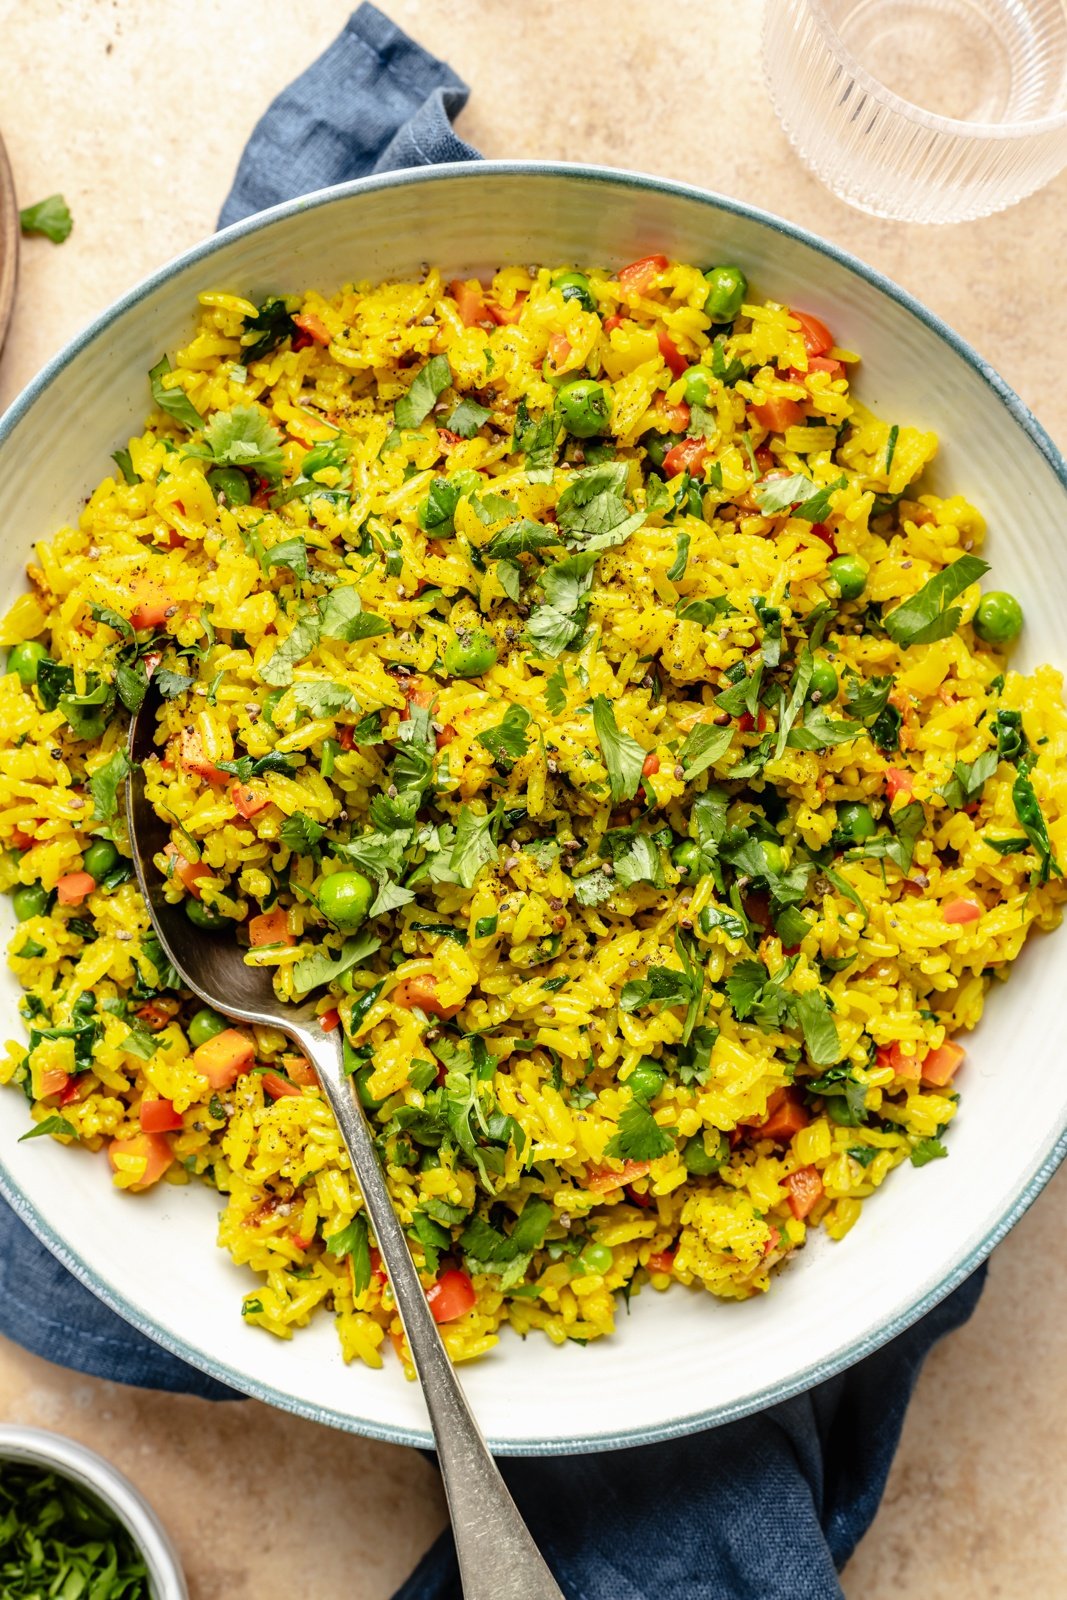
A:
(768, 1508)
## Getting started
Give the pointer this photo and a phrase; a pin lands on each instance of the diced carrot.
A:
(601, 1180)
(223, 1058)
(836, 369)
(300, 1071)
(153, 1149)
(650, 765)
(805, 1190)
(72, 1089)
(778, 414)
(898, 780)
(72, 888)
(446, 734)
(785, 1116)
(676, 417)
(613, 322)
(194, 759)
(512, 313)
(688, 455)
(941, 1065)
(638, 276)
(961, 911)
(152, 605)
(159, 1116)
(901, 1063)
(661, 1261)
(559, 352)
(816, 335)
(153, 1014)
(469, 301)
(314, 326)
(21, 840)
(270, 927)
(277, 1087)
(329, 1020)
(190, 874)
(421, 992)
(53, 1080)
(248, 801)
(346, 738)
(671, 353)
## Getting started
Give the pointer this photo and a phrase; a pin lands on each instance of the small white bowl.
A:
(53, 1453)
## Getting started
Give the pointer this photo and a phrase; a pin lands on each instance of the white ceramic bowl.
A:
(679, 1361)
(84, 1468)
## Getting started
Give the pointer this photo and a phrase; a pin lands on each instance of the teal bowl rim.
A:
(926, 1299)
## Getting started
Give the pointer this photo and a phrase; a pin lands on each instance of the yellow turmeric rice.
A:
(568, 684)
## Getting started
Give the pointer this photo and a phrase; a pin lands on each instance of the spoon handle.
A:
(498, 1559)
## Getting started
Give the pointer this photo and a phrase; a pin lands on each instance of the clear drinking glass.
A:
(922, 110)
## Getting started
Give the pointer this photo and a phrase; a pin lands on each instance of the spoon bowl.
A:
(498, 1559)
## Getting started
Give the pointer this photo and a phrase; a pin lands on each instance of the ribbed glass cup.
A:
(922, 110)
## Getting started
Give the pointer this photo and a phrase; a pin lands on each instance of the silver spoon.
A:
(498, 1559)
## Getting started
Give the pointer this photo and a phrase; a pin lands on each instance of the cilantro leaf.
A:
(264, 332)
(50, 217)
(520, 538)
(820, 730)
(818, 1027)
(105, 783)
(175, 402)
(623, 756)
(676, 570)
(556, 691)
(796, 494)
(866, 697)
(291, 553)
(171, 684)
(592, 510)
(322, 699)
(343, 616)
(124, 461)
(243, 437)
(301, 833)
(537, 442)
(431, 381)
(594, 888)
(638, 1137)
(52, 1124)
(354, 1240)
(969, 779)
(507, 741)
(468, 417)
(924, 1151)
(907, 824)
(551, 631)
(1032, 821)
(474, 846)
(928, 615)
(704, 745)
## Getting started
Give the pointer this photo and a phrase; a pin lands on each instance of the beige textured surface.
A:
(137, 110)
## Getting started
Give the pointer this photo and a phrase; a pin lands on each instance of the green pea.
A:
(647, 1079)
(686, 857)
(345, 898)
(823, 685)
(204, 1025)
(998, 619)
(850, 575)
(469, 653)
(232, 484)
(697, 381)
(202, 916)
(361, 1079)
(772, 854)
(100, 859)
(727, 287)
(24, 659)
(657, 444)
(575, 286)
(855, 821)
(29, 900)
(270, 706)
(584, 408)
(699, 1160)
(598, 1258)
